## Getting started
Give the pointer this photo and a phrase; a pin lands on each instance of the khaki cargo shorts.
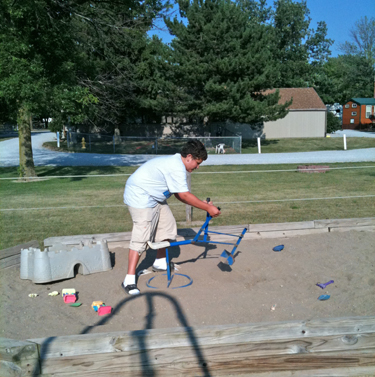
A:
(151, 224)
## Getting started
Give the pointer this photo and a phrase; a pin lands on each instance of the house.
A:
(307, 117)
(358, 113)
(336, 110)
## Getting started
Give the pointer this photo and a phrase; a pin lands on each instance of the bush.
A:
(333, 123)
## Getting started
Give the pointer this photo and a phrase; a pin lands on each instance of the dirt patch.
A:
(259, 280)
(312, 168)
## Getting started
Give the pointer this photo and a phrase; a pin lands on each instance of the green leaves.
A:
(219, 62)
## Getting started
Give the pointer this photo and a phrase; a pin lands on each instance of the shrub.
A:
(333, 123)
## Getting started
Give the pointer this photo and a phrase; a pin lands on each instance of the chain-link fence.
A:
(93, 143)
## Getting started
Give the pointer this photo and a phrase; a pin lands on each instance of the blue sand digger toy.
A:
(226, 257)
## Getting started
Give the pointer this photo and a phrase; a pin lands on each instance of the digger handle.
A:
(209, 199)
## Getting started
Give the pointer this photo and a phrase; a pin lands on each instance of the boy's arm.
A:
(192, 200)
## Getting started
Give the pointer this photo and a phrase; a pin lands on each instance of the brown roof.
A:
(303, 98)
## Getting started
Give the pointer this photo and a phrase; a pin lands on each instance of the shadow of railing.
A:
(140, 336)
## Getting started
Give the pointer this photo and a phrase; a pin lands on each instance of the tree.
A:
(220, 65)
(62, 57)
(299, 50)
(290, 27)
(116, 41)
(37, 66)
(363, 40)
(333, 123)
(352, 74)
(345, 77)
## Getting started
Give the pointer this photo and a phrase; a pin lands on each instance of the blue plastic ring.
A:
(182, 286)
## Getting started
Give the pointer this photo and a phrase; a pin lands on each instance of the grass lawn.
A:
(307, 144)
(170, 146)
(246, 194)
(165, 146)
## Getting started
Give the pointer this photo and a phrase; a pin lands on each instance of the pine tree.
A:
(221, 63)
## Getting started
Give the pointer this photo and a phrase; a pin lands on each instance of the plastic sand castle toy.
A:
(63, 261)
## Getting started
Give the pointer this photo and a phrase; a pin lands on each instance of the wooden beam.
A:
(273, 230)
(10, 261)
(214, 360)
(362, 371)
(357, 228)
(281, 226)
(18, 358)
(17, 249)
(75, 240)
(319, 346)
(12, 256)
(338, 223)
(67, 346)
(284, 233)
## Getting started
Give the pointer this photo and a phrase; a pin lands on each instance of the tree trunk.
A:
(24, 120)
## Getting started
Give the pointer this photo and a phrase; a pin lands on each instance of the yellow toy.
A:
(96, 305)
(68, 291)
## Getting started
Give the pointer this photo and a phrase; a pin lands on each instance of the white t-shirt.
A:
(155, 181)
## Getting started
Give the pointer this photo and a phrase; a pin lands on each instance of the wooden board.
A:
(18, 358)
(321, 347)
(284, 233)
(272, 230)
(67, 346)
(214, 361)
(357, 228)
(281, 226)
(75, 240)
(14, 260)
(337, 223)
(362, 371)
(17, 249)
(12, 256)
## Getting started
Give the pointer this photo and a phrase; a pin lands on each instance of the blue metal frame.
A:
(182, 286)
(195, 240)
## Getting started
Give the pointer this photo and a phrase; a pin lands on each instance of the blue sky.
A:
(339, 15)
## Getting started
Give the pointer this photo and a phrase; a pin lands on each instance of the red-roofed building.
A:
(358, 113)
(307, 117)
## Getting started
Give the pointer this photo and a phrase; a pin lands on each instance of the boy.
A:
(146, 193)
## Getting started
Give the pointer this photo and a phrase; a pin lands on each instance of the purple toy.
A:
(325, 284)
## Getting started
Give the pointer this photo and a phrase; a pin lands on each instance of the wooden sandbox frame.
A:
(321, 347)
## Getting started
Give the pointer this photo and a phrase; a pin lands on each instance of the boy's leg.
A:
(133, 259)
(144, 223)
(166, 231)
(160, 263)
(130, 284)
(161, 252)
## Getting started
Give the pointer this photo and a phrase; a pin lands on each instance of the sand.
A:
(261, 286)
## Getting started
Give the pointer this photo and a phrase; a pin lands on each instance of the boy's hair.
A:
(196, 149)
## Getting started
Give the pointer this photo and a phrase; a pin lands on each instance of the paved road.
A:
(43, 157)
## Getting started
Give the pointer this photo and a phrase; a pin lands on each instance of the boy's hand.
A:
(212, 210)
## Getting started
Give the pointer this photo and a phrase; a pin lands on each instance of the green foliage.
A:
(220, 65)
(123, 75)
(351, 74)
(291, 23)
(37, 57)
(91, 62)
(362, 40)
(345, 77)
(299, 50)
(333, 123)
(72, 60)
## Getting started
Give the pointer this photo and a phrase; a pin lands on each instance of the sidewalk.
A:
(43, 157)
